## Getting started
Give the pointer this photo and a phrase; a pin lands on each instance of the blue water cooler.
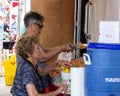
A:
(102, 69)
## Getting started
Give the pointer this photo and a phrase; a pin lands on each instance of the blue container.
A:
(102, 70)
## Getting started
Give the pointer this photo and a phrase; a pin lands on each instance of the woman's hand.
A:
(63, 63)
(62, 89)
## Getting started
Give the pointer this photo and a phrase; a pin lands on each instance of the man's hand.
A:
(67, 47)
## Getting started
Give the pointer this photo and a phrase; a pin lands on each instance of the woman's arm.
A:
(33, 92)
(45, 70)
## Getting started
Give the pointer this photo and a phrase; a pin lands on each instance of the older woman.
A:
(27, 81)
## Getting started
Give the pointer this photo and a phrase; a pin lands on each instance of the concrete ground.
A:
(4, 90)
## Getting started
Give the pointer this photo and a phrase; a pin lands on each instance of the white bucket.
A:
(66, 79)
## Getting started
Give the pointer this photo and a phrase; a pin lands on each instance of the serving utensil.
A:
(79, 46)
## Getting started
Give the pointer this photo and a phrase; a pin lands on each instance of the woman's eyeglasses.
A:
(40, 26)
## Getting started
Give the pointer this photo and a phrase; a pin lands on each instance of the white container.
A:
(77, 81)
(66, 79)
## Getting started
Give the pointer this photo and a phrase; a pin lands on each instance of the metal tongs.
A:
(79, 46)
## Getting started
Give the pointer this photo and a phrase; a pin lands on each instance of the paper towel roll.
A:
(77, 81)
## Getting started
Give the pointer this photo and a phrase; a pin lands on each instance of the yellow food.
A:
(66, 70)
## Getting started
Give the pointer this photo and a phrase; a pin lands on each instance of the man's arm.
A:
(48, 54)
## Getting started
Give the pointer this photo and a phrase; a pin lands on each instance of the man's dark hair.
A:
(32, 17)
